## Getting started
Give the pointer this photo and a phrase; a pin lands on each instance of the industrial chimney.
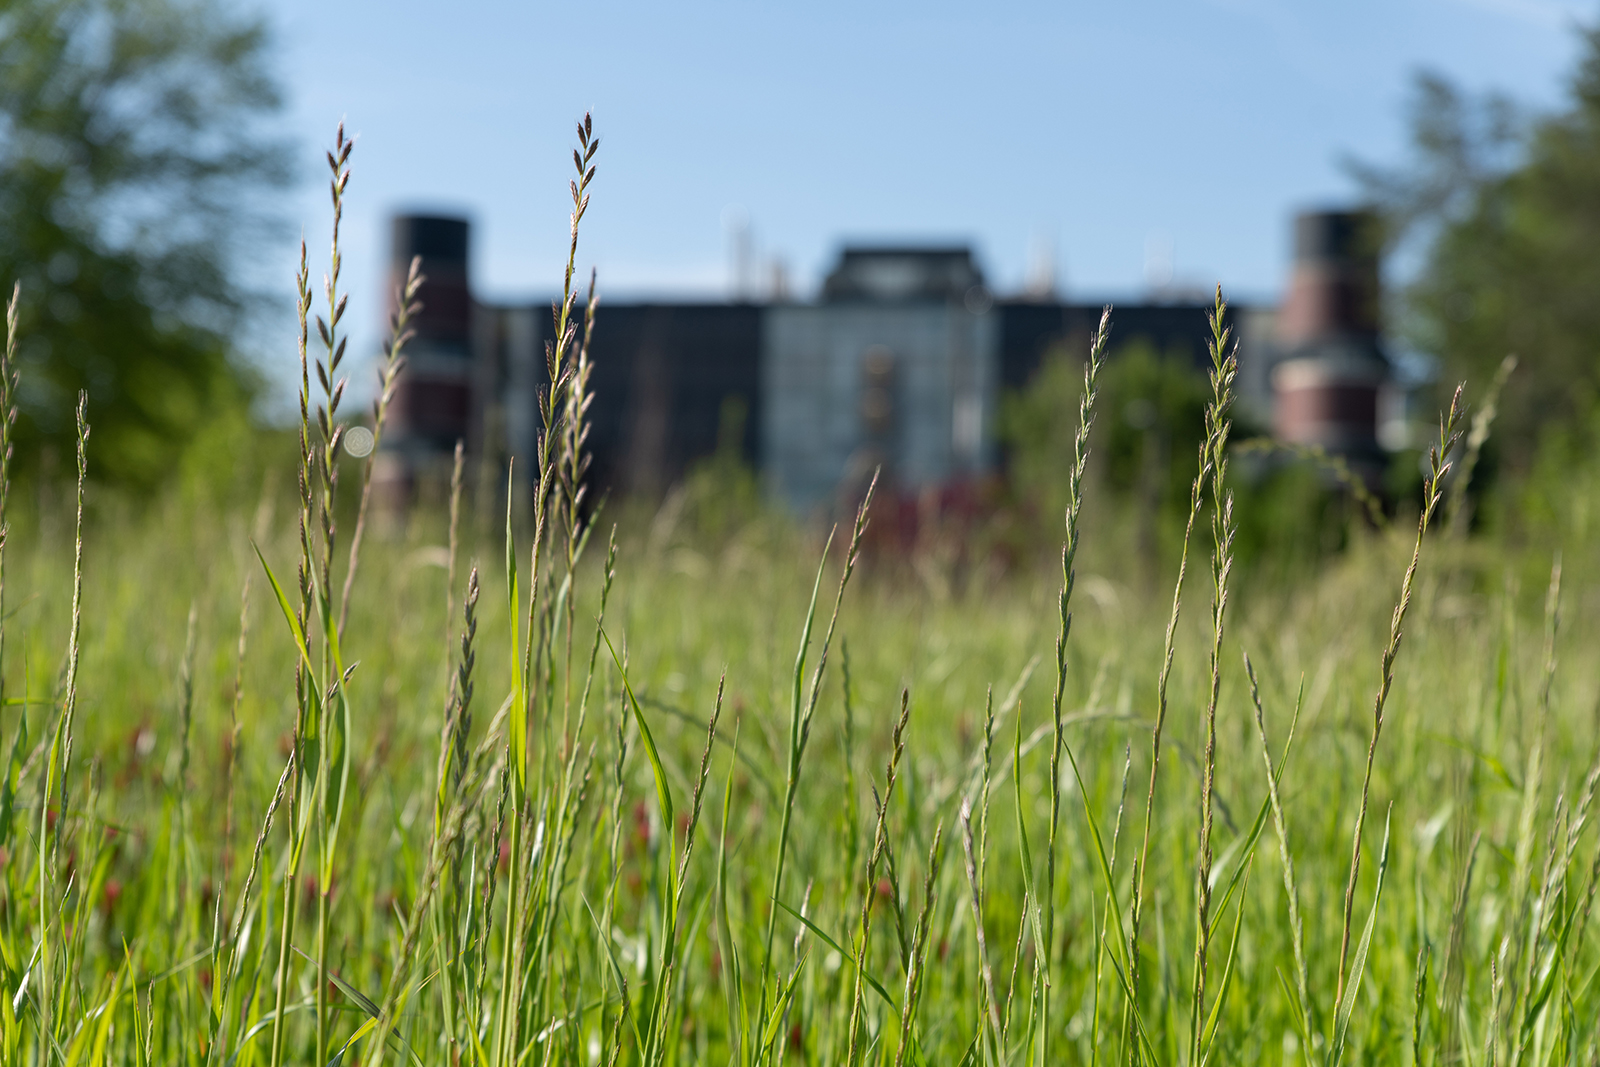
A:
(1330, 370)
(432, 406)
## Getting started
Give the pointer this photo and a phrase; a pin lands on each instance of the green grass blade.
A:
(361, 1031)
(518, 735)
(1359, 962)
(1115, 908)
(663, 791)
(289, 617)
(1208, 1036)
(1031, 896)
(621, 979)
(13, 775)
(877, 987)
(781, 1005)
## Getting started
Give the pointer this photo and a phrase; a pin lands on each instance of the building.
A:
(894, 369)
(1329, 369)
(900, 365)
(435, 397)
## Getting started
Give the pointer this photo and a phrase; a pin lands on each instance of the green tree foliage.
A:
(1144, 452)
(1151, 404)
(1144, 444)
(132, 159)
(1506, 212)
(722, 493)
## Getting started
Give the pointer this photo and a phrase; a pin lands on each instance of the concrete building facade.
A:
(895, 369)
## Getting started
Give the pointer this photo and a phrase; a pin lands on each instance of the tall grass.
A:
(296, 828)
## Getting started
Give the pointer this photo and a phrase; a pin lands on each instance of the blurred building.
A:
(671, 382)
(435, 397)
(894, 369)
(1328, 369)
(900, 365)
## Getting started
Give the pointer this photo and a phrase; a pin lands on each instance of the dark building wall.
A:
(446, 315)
(433, 405)
(1028, 331)
(663, 377)
(663, 374)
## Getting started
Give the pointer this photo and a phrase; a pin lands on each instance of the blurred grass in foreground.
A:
(1480, 781)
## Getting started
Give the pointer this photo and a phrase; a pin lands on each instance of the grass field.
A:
(682, 799)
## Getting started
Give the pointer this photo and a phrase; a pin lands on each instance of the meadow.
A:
(291, 782)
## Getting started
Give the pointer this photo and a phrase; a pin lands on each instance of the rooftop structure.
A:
(904, 274)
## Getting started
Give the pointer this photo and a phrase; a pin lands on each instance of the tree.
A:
(1144, 455)
(132, 163)
(1150, 422)
(1507, 212)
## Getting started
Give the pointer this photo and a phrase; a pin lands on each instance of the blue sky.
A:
(1118, 135)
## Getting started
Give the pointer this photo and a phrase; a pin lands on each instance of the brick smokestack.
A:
(1326, 384)
(432, 406)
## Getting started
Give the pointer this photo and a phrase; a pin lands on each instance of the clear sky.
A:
(1122, 139)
